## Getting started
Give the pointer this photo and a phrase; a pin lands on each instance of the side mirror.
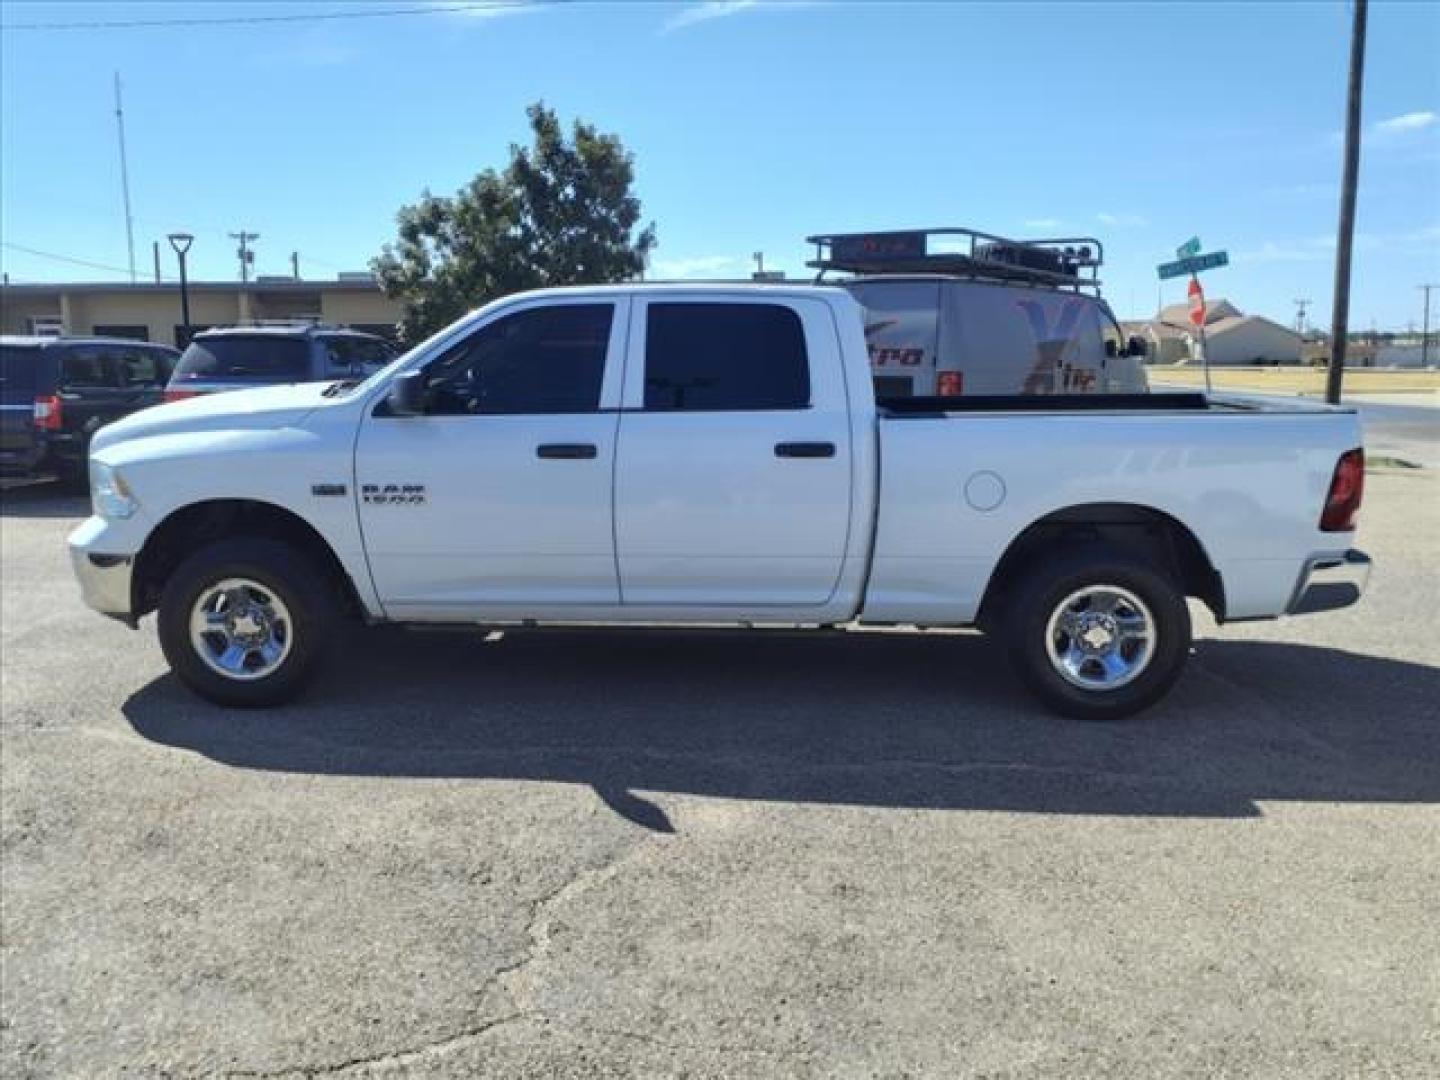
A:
(408, 394)
(1111, 349)
(1138, 346)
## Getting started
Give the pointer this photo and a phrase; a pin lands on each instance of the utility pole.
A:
(125, 180)
(247, 257)
(155, 250)
(1340, 315)
(295, 265)
(1425, 327)
(1301, 305)
(759, 258)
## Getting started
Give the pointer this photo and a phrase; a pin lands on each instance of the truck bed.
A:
(903, 407)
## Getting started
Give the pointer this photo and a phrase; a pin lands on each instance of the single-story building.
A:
(151, 312)
(1231, 337)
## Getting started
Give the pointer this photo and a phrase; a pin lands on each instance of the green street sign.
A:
(1193, 265)
(1188, 249)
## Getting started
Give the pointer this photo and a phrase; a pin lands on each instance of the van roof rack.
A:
(1058, 262)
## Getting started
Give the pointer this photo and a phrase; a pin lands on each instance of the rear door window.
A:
(261, 358)
(87, 369)
(725, 357)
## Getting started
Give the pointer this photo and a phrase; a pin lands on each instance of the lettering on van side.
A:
(1050, 373)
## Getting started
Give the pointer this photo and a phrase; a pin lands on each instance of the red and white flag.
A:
(1197, 302)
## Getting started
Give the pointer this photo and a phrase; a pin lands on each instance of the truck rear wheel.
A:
(245, 621)
(1098, 633)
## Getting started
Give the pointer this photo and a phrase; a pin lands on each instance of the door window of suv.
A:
(140, 368)
(86, 369)
(355, 356)
(543, 360)
(725, 357)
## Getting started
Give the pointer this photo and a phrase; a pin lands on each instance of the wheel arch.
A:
(1159, 536)
(186, 528)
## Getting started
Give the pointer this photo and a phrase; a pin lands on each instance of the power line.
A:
(64, 258)
(315, 16)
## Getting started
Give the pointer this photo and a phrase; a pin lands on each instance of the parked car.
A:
(55, 393)
(244, 357)
(711, 454)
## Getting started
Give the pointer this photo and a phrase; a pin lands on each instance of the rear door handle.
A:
(567, 451)
(805, 449)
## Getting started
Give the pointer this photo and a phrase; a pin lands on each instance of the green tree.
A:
(561, 213)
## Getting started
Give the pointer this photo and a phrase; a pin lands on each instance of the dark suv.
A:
(57, 392)
(243, 357)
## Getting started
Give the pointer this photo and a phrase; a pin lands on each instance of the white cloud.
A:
(709, 10)
(1411, 121)
(699, 266)
(704, 12)
(1270, 252)
(1042, 223)
(1124, 221)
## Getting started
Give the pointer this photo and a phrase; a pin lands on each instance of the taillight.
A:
(1347, 487)
(950, 383)
(178, 395)
(47, 413)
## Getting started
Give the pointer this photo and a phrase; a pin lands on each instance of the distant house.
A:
(1231, 337)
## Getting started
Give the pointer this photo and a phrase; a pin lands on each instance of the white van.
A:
(954, 312)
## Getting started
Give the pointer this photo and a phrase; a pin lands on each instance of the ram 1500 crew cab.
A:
(676, 454)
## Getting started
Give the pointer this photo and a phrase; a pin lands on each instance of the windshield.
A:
(265, 358)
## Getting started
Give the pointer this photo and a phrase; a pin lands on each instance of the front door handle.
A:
(805, 449)
(567, 451)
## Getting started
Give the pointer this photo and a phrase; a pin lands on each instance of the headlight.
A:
(109, 493)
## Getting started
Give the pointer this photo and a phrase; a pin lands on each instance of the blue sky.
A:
(752, 125)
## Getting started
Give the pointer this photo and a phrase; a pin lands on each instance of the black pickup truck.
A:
(55, 393)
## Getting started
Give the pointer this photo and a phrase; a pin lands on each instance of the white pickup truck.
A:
(710, 455)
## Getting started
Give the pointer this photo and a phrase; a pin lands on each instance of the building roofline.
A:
(170, 287)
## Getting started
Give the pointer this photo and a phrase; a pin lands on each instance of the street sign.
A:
(1193, 265)
(1188, 249)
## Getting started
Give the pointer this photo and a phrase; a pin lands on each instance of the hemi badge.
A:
(323, 490)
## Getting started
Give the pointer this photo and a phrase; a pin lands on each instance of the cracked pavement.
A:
(636, 854)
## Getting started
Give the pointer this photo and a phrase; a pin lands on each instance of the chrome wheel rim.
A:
(1100, 637)
(241, 629)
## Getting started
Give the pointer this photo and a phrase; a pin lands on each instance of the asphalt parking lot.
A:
(605, 854)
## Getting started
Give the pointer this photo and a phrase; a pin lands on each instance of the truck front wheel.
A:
(1098, 633)
(245, 621)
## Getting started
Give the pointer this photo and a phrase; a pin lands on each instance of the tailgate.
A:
(21, 380)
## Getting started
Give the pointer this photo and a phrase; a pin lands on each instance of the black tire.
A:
(1055, 578)
(286, 574)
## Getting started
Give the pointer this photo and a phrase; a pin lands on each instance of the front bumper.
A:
(1330, 582)
(105, 579)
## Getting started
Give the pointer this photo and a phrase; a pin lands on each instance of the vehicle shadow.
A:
(888, 720)
(49, 499)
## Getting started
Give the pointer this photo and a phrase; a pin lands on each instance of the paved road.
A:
(609, 854)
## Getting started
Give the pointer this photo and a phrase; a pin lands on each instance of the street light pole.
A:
(1340, 315)
(1425, 328)
(181, 243)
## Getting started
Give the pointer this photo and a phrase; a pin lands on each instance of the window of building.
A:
(725, 357)
(135, 332)
(544, 360)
